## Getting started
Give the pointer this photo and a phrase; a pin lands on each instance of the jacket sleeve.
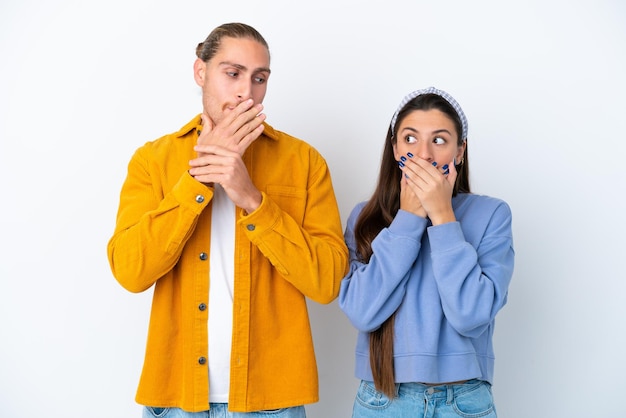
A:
(311, 255)
(152, 228)
(371, 292)
(473, 280)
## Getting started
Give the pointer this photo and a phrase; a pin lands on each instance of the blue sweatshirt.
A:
(447, 283)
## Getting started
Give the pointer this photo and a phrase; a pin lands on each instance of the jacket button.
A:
(203, 256)
(199, 198)
(202, 360)
(202, 306)
(250, 227)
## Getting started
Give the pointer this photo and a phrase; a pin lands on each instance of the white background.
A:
(83, 84)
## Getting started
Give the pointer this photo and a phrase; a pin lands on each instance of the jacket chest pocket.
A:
(290, 199)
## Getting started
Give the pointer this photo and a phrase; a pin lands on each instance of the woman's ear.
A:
(460, 153)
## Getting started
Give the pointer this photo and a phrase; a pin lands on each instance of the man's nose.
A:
(244, 90)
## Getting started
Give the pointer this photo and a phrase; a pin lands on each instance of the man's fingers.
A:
(207, 124)
(243, 113)
(248, 121)
(209, 152)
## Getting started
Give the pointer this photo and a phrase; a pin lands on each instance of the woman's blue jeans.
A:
(472, 399)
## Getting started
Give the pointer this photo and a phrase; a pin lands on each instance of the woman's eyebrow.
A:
(437, 131)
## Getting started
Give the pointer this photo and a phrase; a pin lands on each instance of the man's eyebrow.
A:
(243, 67)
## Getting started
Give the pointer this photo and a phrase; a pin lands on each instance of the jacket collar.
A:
(196, 124)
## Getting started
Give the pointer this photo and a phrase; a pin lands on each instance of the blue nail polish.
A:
(446, 172)
(400, 163)
(409, 154)
(406, 175)
(434, 163)
(444, 167)
(403, 158)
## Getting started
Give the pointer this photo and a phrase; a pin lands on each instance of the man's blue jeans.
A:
(220, 410)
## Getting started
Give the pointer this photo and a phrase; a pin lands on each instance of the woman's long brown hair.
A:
(378, 213)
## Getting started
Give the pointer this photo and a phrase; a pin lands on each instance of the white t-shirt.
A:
(221, 274)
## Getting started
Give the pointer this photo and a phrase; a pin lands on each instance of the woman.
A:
(430, 269)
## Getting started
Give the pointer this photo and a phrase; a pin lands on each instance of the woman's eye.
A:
(439, 140)
(410, 139)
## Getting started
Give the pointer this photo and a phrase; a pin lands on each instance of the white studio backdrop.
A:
(84, 83)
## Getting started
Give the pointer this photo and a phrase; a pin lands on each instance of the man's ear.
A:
(199, 71)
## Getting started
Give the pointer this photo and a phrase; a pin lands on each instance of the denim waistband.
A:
(437, 391)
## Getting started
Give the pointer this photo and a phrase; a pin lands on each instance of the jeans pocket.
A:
(368, 397)
(292, 412)
(153, 411)
(476, 402)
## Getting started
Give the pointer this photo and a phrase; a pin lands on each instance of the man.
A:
(235, 223)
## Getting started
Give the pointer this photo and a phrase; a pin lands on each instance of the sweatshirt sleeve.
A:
(473, 278)
(151, 230)
(312, 255)
(371, 292)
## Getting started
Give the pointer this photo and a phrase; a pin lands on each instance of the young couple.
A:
(234, 224)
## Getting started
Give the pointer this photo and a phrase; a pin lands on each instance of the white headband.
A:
(441, 93)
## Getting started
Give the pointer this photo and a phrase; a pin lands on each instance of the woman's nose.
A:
(424, 152)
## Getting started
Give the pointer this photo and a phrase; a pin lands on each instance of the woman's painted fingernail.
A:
(444, 167)
(403, 158)
(434, 163)
(400, 163)
(406, 175)
(409, 154)
(446, 172)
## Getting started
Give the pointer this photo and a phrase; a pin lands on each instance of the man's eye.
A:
(232, 73)
(439, 140)
(410, 139)
(259, 80)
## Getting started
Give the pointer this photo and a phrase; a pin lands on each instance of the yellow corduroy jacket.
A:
(290, 248)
